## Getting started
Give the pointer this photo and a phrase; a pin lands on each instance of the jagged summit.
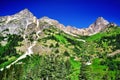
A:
(98, 25)
(101, 20)
(24, 13)
(25, 10)
(18, 22)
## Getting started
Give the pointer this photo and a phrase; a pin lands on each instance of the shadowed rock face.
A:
(25, 22)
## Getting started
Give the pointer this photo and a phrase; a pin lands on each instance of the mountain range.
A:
(44, 49)
(25, 19)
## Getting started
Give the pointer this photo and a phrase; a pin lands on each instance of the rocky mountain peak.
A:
(101, 20)
(18, 22)
(24, 14)
(50, 21)
(97, 26)
(25, 11)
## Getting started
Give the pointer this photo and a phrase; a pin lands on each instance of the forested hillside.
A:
(61, 56)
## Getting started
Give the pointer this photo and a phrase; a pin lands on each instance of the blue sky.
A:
(78, 13)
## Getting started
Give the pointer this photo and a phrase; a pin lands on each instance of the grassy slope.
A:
(105, 43)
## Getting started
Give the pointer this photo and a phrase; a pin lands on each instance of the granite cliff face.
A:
(25, 22)
(18, 23)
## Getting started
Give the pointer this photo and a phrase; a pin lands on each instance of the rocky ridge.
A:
(26, 22)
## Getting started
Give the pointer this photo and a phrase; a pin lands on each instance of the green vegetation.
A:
(36, 67)
(64, 57)
(75, 69)
(60, 38)
(103, 67)
(8, 52)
